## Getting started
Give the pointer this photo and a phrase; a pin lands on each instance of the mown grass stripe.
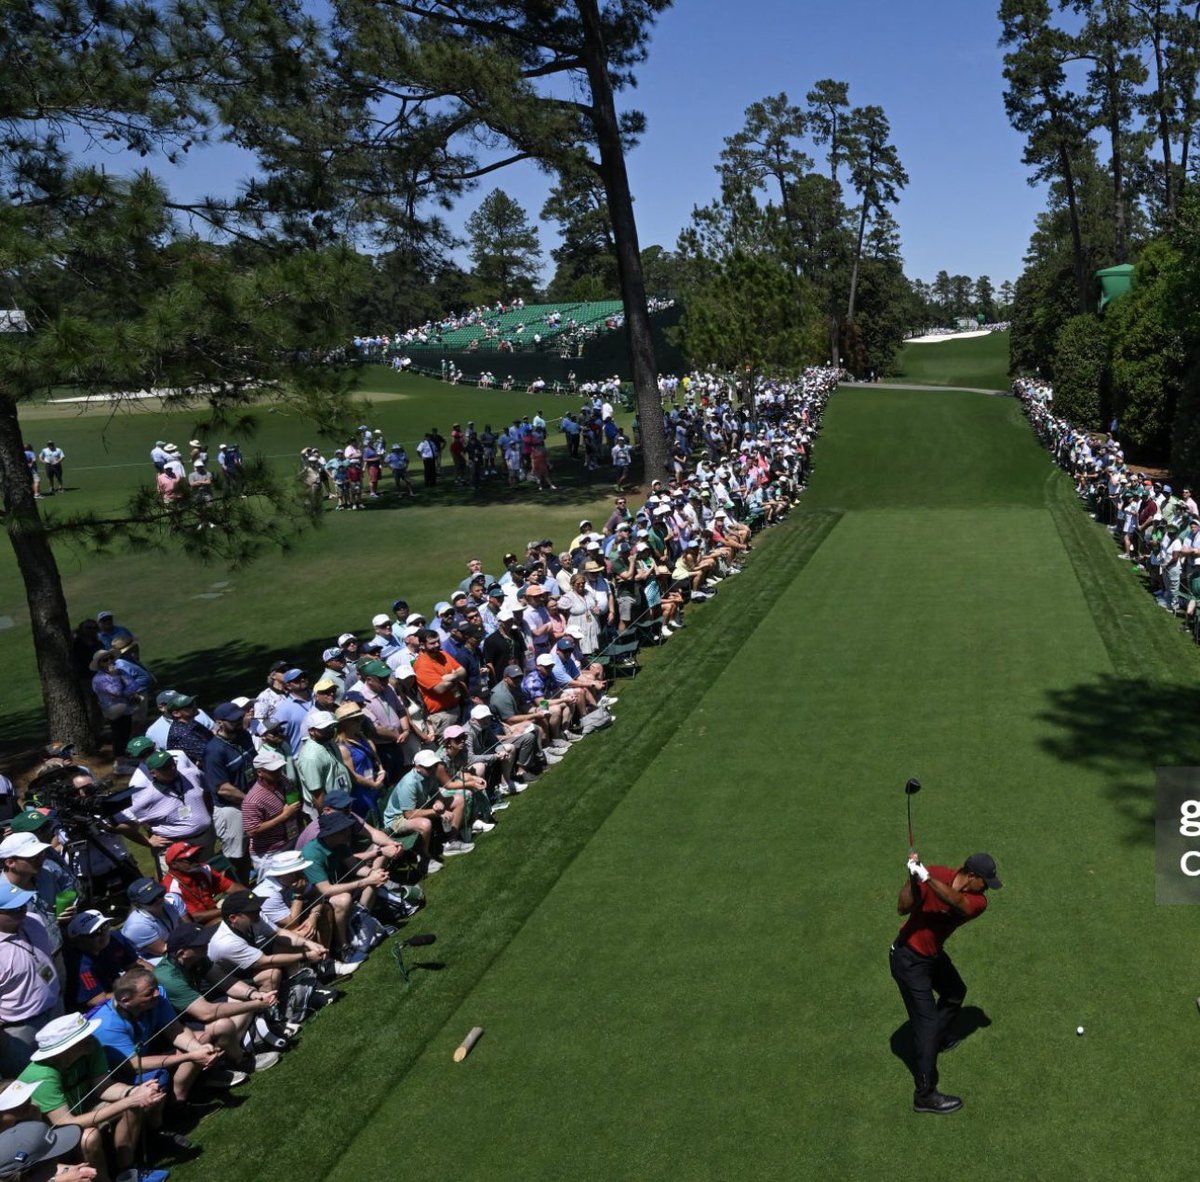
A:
(370, 1040)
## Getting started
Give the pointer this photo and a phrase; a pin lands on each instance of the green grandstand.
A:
(516, 328)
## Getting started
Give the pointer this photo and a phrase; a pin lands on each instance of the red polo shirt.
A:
(931, 922)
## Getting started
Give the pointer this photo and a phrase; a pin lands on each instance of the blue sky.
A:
(934, 67)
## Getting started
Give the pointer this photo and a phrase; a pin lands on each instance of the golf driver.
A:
(910, 790)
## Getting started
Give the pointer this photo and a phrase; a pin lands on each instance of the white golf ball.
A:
(1078, 1029)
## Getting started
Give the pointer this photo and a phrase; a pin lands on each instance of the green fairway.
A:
(677, 943)
(976, 362)
(214, 631)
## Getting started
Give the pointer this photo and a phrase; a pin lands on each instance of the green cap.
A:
(180, 700)
(139, 746)
(159, 759)
(375, 669)
(30, 821)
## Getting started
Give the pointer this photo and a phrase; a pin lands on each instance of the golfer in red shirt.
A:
(937, 900)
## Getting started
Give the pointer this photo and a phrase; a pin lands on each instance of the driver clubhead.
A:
(912, 787)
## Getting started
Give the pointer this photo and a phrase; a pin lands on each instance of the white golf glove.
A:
(915, 867)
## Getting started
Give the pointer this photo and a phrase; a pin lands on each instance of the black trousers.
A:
(919, 978)
(431, 472)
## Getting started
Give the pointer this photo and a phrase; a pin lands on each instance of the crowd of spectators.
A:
(285, 833)
(1156, 526)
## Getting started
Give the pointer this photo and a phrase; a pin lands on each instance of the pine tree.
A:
(504, 249)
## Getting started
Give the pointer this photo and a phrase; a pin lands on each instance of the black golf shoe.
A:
(936, 1102)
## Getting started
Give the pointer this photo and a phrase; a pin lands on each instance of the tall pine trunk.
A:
(66, 707)
(642, 362)
(862, 230)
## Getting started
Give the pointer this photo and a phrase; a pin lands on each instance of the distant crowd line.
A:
(1156, 526)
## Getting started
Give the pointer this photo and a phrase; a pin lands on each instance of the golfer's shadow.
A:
(904, 1046)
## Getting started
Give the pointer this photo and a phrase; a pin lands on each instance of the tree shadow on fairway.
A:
(1124, 728)
(904, 1045)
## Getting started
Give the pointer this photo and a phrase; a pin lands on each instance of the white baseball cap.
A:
(22, 845)
(426, 759)
(321, 720)
(480, 712)
(381, 619)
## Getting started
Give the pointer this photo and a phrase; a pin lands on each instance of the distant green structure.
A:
(1114, 283)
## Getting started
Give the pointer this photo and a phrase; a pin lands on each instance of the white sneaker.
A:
(265, 1060)
(518, 787)
(664, 633)
(482, 826)
(500, 806)
(552, 757)
(347, 968)
(609, 700)
(451, 849)
(559, 745)
(434, 866)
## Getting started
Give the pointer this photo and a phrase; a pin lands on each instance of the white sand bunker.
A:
(934, 337)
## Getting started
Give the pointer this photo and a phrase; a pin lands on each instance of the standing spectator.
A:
(234, 469)
(442, 679)
(52, 456)
(30, 987)
(539, 462)
(622, 457)
(397, 460)
(117, 699)
(319, 764)
(128, 662)
(173, 807)
(428, 452)
(110, 629)
(271, 809)
(228, 773)
(31, 467)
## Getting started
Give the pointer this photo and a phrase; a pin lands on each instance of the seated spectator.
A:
(30, 986)
(255, 950)
(458, 773)
(342, 875)
(513, 706)
(95, 956)
(151, 919)
(516, 752)
(193, 885)
(144, 1039)
(418, 796)
(221, 1012)
(69, 1075)
(29, 1149)
(291, 902)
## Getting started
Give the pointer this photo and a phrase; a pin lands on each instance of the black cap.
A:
(189, 935)
(985, 866)
(240, 903)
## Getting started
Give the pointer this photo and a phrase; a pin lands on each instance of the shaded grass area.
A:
(213, 631)
(705, 990)
(365, 1044)
(976, 361)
